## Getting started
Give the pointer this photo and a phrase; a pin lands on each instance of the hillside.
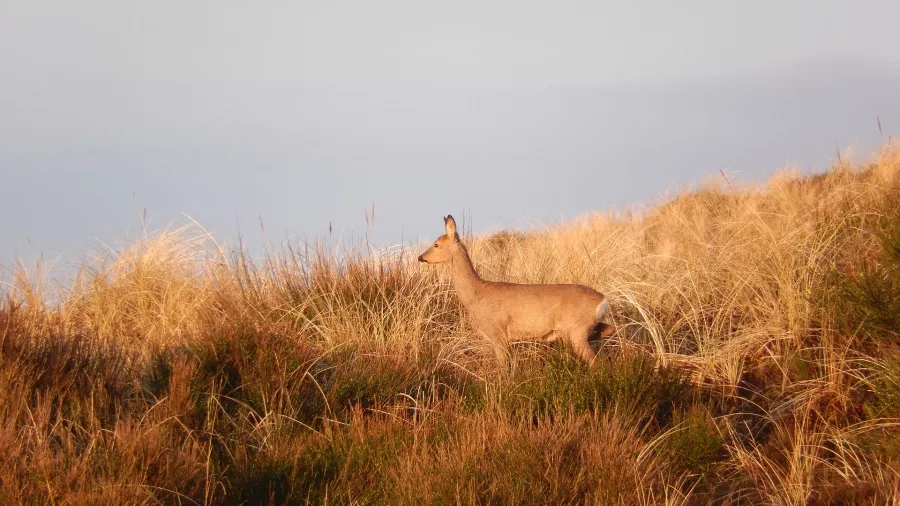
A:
(757, 361)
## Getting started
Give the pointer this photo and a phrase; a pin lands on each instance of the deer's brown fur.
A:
(504, 312)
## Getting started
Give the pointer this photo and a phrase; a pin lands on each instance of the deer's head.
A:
(444, 245)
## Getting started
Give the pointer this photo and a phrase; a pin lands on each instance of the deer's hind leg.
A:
(602, 330)
(579, 338)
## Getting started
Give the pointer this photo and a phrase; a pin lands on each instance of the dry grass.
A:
(757, 362)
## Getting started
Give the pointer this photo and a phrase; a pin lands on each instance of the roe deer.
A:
(503, 312)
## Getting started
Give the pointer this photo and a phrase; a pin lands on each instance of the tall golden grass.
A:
(756, 361)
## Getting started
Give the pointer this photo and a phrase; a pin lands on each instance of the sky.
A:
(512, 114)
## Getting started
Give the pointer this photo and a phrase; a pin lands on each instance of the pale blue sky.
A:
(513, 113)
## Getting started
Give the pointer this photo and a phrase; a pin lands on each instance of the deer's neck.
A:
(465, 280)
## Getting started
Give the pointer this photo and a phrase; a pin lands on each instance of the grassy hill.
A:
(757, 361)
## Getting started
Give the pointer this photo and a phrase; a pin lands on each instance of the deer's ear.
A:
(450, 226)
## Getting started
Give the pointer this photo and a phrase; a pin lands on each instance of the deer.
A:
(503, 312)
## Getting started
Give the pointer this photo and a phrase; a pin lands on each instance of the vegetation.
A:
(757, 361)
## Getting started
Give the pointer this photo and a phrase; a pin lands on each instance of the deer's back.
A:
(536, 309)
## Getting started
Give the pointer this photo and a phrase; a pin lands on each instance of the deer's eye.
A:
(436, 245)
